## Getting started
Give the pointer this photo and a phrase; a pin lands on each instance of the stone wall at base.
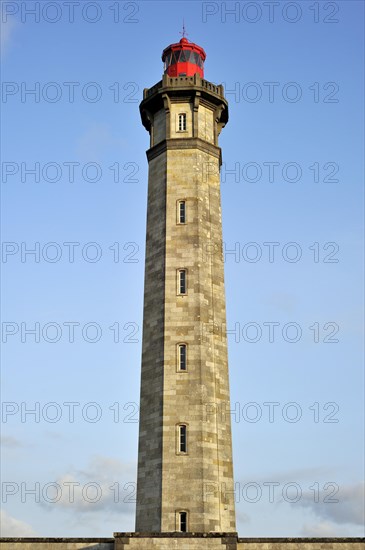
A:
(301, 543)
(175, 541)
(181, 541)
(56, 544)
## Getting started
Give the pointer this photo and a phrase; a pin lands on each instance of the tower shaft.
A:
(185, 473)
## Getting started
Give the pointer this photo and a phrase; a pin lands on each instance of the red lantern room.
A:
(184, 59)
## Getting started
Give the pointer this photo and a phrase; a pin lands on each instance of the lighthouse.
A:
(185, 470)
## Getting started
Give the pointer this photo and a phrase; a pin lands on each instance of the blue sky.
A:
(292, 213)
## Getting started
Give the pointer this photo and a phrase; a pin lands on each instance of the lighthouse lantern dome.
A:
(184, 59)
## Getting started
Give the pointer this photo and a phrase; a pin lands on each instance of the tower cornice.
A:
(184, 143)
(182, 88)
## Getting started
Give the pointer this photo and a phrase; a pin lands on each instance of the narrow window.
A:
(195, 58)
(182, 122)
(182, 281)
(183, 522)
(182, 438)
(188, 56)
(181, 214)
(184, 56)
(182, 365)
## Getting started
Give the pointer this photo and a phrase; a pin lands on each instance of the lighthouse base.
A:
(181, 541)
(176, 540)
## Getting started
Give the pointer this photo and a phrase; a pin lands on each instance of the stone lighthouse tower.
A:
(185, 473)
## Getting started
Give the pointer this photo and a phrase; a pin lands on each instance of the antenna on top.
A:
(184, 33)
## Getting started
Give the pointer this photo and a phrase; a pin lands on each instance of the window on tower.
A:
(182, 122)
(194, 58)
(183, 447)
(183, 56)
(174, 58)
(182, 281)
(182, 357)
(183, 522)
(167, 61)
(181, 212)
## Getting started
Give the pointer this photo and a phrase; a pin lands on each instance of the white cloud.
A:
(242, 518)
(10, 442)
(298, 475)
(6, 35)
(55, 435)
(12, 527)
(105, 484)
(282, 301)
(348, 510)
(97, 140)
(323, 529)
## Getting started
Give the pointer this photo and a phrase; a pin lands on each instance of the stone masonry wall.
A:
(200, 480)
(172, 541)
(301, 544)
(148, 515)
(56, 544)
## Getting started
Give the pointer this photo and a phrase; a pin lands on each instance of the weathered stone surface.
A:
(184, 165)
(57, 544)
(176, 541)
(301, 544)
(182, 541)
